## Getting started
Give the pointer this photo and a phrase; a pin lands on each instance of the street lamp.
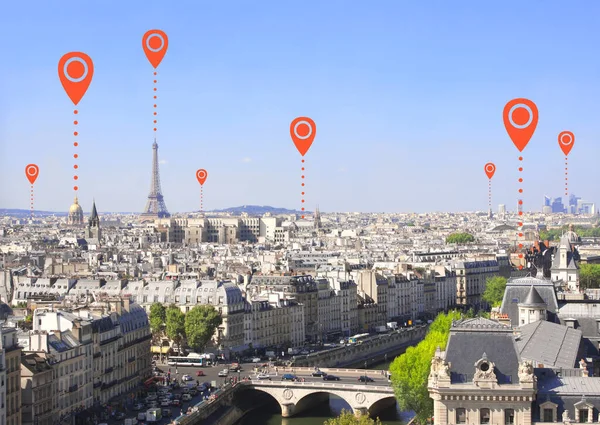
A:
(365, 372)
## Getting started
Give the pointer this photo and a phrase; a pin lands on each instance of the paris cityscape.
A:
(205, 256)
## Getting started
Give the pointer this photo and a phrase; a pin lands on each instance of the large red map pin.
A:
(303, 131)
(155, 44)
(520, 119)
(75, 71)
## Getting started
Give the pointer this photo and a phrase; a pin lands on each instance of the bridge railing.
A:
(353, 387)
(357, 372)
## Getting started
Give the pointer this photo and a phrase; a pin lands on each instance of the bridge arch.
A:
(381, 404)
(311, 399)
(249, 398)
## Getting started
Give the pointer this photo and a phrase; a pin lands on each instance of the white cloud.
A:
(247, 159)
(162, 161)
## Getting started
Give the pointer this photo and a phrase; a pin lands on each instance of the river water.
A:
(270, 415)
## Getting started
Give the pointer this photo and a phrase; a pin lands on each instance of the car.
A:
(166, 413)
(200, 373)
(263, 376)
(318, 373)
(120, 415)
(365, 379)
(187, 378)
(223, 373)
(165, 403)
(330, 378)
(256, 360)
(186, 397)
(289, 377)
(139, 406)
(176, 403)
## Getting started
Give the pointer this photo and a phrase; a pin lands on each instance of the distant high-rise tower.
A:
(502, 210)
(155, 207)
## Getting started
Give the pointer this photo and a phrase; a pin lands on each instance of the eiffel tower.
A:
(155, 207)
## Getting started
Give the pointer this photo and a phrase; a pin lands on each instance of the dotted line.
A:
(520, 209)
(75, 155)
(566, 176)
(31, 201)
(303, 189)
(155, 97)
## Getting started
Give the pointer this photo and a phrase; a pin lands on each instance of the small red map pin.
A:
(566, 140)
(490, 169)
(32, 171)
(201, 175)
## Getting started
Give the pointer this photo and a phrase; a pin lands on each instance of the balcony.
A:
(131, 359)
(73, 388)
(108, 370)
(97, 384)
(98, 354)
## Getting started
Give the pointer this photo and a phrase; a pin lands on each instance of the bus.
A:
(356, 338)
(192, 359)
(154, 414)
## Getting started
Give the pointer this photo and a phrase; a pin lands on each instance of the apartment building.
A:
(471, 277)
(12, 359)
(2, 384)
(273, 320)
(225, 296)
(36, 390)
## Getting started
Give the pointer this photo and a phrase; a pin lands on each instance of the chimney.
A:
(126, 303)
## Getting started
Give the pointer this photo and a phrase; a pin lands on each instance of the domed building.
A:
(75, 217)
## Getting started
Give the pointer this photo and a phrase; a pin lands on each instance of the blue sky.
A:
(407, 98)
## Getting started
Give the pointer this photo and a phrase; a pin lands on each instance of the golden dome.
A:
(75, 208)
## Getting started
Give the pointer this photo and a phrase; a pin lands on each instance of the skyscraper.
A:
(155, 206)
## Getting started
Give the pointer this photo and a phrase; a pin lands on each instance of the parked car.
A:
(365, 378)
(330, 378)
(166, 413)
(186, 397)
(318, 373)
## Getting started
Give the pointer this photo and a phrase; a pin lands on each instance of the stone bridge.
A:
(295, 397)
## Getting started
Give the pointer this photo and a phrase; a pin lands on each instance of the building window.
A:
(461, 416)
(509, 416)
(548, 415)
(583, 416)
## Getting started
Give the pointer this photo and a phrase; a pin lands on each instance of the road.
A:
(248, 370)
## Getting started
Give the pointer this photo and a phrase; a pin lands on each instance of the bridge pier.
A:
(360, 411)
(288, 410)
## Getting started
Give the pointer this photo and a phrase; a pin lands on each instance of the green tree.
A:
(157, 318)
(348, 418)
(589, 275)
(175, 325)
(494, 290)
(410, 371)
(460, 238)
(200, 325)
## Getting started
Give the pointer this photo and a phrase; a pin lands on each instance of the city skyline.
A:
(421, 87)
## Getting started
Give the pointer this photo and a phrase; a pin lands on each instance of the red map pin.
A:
(75, 71)
(32, 171)
(201, 175)
(490, 169)
(303, 131)
(520, 119)
(155, 44)
(566, 140)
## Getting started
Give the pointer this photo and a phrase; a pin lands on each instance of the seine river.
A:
(270, 415)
